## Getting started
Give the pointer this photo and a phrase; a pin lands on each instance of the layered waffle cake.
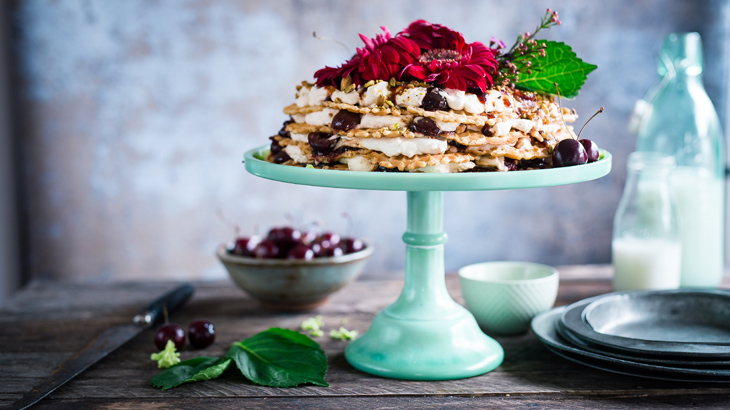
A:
(426, 101)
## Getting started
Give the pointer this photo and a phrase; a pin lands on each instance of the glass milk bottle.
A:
(680, 120)
(646, 246)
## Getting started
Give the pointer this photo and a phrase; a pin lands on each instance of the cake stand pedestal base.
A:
(424, 335)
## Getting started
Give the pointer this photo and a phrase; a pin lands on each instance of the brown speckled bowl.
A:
(293, 285)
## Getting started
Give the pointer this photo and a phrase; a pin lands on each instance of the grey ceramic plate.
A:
(544, 326)
(661, 361)
(679, 323)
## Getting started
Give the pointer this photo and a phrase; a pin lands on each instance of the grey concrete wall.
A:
(136, 115)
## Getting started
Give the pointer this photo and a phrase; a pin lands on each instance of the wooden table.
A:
(48, 321)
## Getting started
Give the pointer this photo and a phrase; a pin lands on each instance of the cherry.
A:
(321, 142)
(300, 252)
(351, 245)
(345, 120)
(170, 331)
(308, 237)
(569, 152)
(244, 246)
(538, 163)
(487, 130)
(201, 333)
(331, 252)
(425, 126)
(328, 240)
(591, 150)
(266, 250)
(283, 132)
(281, 157)
(275, 146)
(434, 100)
(510, 164)
(284, 234)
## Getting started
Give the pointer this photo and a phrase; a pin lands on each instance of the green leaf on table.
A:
(193, 370)
(280, 358)
(560, 65)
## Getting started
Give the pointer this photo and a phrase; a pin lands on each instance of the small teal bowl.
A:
(293, 285)
(505, 296)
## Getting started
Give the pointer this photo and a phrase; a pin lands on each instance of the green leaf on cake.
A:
(560, 65)
(280, 358)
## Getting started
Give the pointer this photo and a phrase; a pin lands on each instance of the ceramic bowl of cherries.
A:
(292, 270)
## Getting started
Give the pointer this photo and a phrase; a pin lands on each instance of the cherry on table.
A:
(569, 152)
(170, 331)
(591, 150)
(201, 333)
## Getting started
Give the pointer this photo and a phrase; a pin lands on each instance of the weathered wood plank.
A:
(40, 336)
(718, 402)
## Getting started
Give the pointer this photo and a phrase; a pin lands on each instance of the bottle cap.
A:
(681, 52)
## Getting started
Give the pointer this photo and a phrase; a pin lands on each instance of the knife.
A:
(105, 343)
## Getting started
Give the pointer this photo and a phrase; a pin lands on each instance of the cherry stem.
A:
(348, 218)
(561, 108)
(589, 120)
(164, 313)
(236, 228)
(318, 37)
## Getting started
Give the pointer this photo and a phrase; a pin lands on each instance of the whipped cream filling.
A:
(445, 168)
(503, 128)
(358, 163)
(383, 121)
(299, 137)
(375, 94)
(311, 96)
(298, 118)
(353, 97)
(401, 146)
(296, 154)
(460, 100)
(411, 97)
(446, 126)
(495, 102)
(323, 117)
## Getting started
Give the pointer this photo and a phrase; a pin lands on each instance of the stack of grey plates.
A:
(679, 335)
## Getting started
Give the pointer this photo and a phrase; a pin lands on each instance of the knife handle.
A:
(173, 299)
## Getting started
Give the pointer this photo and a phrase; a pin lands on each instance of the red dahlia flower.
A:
(381, 59)
(430, 36)
(447, 60)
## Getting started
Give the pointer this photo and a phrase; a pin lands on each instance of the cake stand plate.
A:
(424, 335)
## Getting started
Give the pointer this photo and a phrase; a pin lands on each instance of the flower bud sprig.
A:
(520, 56)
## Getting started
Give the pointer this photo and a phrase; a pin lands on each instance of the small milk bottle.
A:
(678, 119)
(646, 247)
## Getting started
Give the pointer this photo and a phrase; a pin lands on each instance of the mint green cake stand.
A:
(424, 335)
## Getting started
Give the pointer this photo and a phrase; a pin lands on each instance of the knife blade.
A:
(105, 343)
